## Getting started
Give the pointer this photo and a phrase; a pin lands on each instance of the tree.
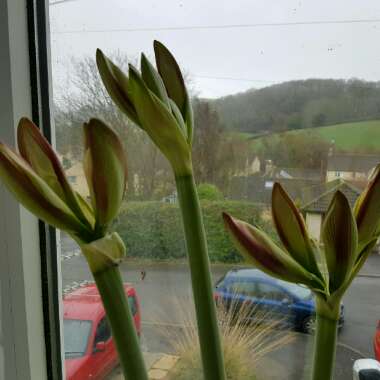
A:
(295, 150)
(217, 156)
(209, 192)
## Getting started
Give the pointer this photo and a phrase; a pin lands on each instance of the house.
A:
(316, 200)
(171, 198)
(77, 179)
(354, 168)
(258, 189)
(298, 173)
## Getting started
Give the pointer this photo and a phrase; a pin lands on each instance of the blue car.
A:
(269, 297)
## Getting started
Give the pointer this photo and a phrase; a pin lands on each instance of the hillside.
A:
(300, 104)
(353, 137)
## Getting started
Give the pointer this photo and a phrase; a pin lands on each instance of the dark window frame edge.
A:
(40, 81)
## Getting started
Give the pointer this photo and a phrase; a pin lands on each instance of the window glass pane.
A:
(76, 336)
(243, 288)
(132, 304)
(282, 92)
(270, 292)
(103, 332)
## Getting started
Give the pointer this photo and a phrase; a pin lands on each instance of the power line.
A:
(60, 2)
(215, 27)
(234, 79)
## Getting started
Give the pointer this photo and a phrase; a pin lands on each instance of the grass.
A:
(363, 136)
(244, 344)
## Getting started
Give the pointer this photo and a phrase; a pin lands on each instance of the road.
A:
(165, 296)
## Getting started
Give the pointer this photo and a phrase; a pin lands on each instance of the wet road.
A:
(166, 303)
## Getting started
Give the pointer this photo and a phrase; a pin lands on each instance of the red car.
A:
(376, 342)
(90, 352)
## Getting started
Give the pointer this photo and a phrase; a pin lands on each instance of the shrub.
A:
(154, 229)
(209, 192)
(244, 344)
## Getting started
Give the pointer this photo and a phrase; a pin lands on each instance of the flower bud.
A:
(172, 77)
(340, 239)
(367, 211)
(34, 193)
(291, 229)
(160, 124)
(106, 170)
(259, 249)
(116, 83)
(37, 151)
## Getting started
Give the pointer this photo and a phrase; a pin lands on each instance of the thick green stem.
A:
(325, 341)
(209, 337)
(111, 289)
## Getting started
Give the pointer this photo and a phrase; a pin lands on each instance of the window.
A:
(282, 92)
(270, 292)
(243, 288)
(76, 334)
(103, 331)
(132, 304)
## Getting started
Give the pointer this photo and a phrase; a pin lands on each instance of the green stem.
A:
(325, 340)
(111, 289)
(209, 337)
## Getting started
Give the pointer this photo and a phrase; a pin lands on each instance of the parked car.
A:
(268, 298)
(376, 342)
(90, 351)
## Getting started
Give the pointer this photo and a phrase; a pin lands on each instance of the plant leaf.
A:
(340, 238)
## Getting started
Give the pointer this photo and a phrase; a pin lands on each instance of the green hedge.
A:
(154, 229)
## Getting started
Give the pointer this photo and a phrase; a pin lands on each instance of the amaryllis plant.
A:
(37, 180)
(157, 101)
(348, 237)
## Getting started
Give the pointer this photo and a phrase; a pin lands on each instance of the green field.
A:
(361, 136)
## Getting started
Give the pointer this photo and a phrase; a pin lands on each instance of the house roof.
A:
(299, 173)
(358, 163)
(258, 189)
(317, 198)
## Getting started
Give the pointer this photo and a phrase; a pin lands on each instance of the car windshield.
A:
(298, 290)
(76, 333)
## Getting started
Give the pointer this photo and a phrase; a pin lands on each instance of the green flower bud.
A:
(340, 238)
(106, 170)
(292, 231)
(261, 251)
(37, 151)
(367, 211)
(34, 193)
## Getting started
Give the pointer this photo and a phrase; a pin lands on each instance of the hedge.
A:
(154, 229)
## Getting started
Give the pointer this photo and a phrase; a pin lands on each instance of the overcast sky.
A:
(249, 56)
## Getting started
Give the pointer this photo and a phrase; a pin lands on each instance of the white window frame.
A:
(29, 268)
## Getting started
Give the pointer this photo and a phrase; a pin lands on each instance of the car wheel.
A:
(308, 324)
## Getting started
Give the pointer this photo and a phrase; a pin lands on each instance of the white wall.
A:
(20, 275)
(313, 222)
